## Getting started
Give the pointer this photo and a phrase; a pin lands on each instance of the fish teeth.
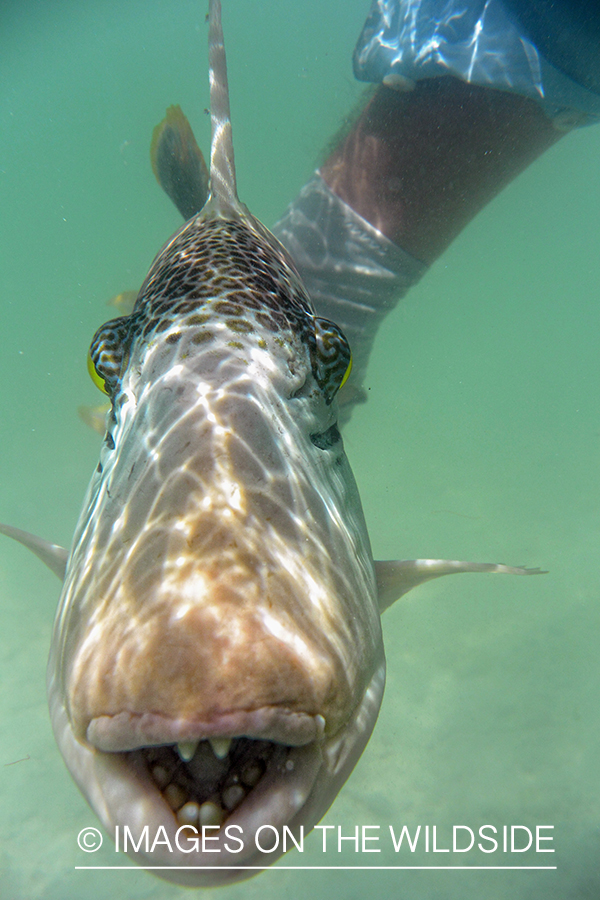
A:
(220, 746)
(186, 750)
(232, 796)
(210, 814)
(188, 814)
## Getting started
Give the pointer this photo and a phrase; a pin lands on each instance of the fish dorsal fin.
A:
(223, 190)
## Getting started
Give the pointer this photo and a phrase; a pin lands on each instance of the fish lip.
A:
(130, 731)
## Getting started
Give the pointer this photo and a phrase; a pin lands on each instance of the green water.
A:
(480, 441)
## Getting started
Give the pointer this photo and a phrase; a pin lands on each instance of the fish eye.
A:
(106, 354)
(347, 372)
(95, 374)
(332, 361)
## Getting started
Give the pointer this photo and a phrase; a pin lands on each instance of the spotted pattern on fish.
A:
(228, 271)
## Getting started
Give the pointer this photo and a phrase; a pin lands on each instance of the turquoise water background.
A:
(480, 441)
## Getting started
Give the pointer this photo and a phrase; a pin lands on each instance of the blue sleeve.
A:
(495, 43)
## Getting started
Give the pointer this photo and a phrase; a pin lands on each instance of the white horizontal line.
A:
(300, 868)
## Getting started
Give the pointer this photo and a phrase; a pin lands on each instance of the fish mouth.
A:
(214, 767)
(204, 783)
(289, 768)
(217, 801)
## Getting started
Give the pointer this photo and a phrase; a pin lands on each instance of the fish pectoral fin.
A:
(396, 577)
(52, 555)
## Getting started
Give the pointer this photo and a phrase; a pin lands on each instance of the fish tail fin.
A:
(223, 190)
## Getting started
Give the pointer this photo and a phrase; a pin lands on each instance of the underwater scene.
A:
(480, 440)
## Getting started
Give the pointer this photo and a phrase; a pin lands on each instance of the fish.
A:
(124, 302)
(178, 163)
(217, 662)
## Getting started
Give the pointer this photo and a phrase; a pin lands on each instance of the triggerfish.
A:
(217, 661)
